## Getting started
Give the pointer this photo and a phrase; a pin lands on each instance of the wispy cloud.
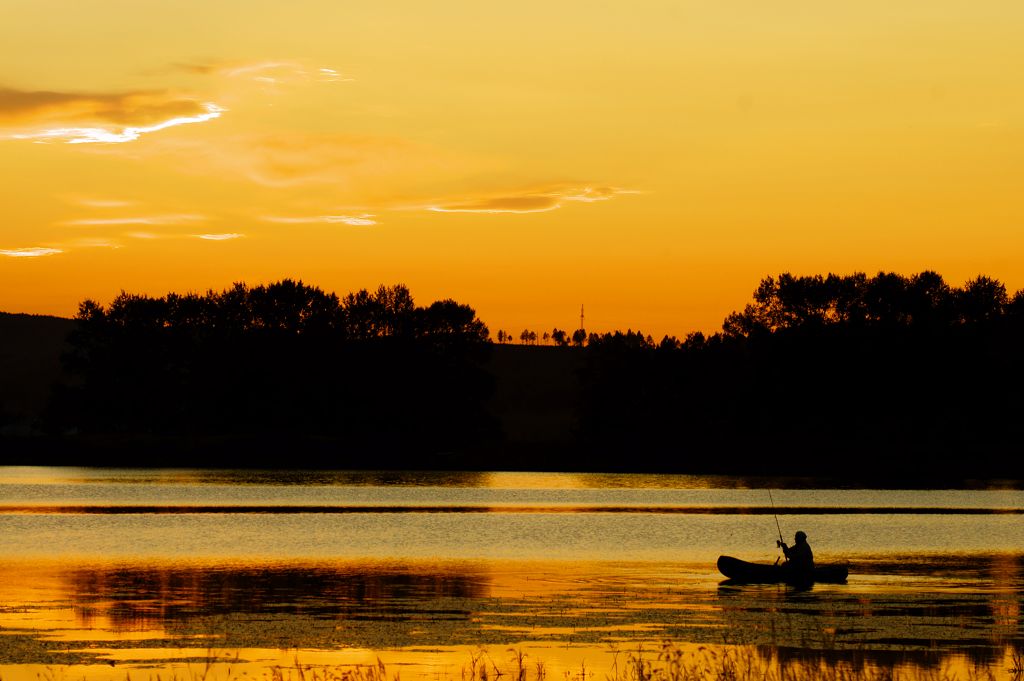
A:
(153, 236)
(219, 237)
(93, 201)
(533, 201)
(93, 242)
(594, 194)
(331, 76)
(83, 118)
(120, 117)
(351, 168)
(36, 252)
(142, 107)
(363, 220)
(268, 71)
(103, 203)
(136, 220)
(105, 242)
(100, 134)
(501, 204)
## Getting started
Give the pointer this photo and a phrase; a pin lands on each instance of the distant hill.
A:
(30, 350)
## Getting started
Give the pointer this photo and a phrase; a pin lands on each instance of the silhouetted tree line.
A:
(371, 372)
(852, 375)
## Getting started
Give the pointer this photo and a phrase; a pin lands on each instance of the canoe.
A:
(761, 573)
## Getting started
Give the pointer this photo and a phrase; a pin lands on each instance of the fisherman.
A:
(799, 557)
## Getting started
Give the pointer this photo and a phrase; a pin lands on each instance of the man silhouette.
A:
(799, 557)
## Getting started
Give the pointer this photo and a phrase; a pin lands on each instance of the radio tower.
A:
(581, 317)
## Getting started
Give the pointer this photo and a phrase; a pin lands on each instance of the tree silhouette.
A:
(528, 337)
(885, 300)
(884, 375)
(281, 359)
(981, 300)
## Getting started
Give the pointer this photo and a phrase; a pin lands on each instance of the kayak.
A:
(761, 573)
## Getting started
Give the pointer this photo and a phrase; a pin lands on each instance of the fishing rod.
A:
(777, 526)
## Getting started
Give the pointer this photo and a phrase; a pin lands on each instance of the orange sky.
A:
(651, 159)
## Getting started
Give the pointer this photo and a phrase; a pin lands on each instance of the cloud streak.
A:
(267, 72)
(135, 220)
(125, 108)
(363, 220)
(501, 204)
(353, 168)
(102, 135)
(34, 252)
(219, 237)
(103, 203)
(103, 242)
(97, 242)
(535, 201)
(97, 118)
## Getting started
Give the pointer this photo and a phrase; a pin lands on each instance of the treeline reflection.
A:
(289, 606)
(972, 610)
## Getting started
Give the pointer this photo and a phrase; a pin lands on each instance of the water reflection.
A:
(943, 609)
(309, 606)
(28, 475)
(918, 609)
(561, 565)
(169, 476)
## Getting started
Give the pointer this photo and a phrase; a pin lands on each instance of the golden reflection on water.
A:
(41, 475)
(428, 619)
(1006, 599)
(493, 480)
(262, 599)
(54, 475)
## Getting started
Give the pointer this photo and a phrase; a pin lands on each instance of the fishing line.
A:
(777, 526)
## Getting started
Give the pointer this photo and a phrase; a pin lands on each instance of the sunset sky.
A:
(649, 159)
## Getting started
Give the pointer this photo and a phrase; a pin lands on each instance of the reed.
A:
(667, 663)
(302, 672)
(743, 663)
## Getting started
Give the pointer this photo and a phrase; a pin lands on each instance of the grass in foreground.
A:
(670, 663)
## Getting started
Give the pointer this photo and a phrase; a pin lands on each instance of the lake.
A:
(241, 574)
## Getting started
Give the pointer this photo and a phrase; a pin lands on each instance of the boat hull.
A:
(759, 573)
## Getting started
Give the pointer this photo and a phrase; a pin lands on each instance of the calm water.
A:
(165, 571)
